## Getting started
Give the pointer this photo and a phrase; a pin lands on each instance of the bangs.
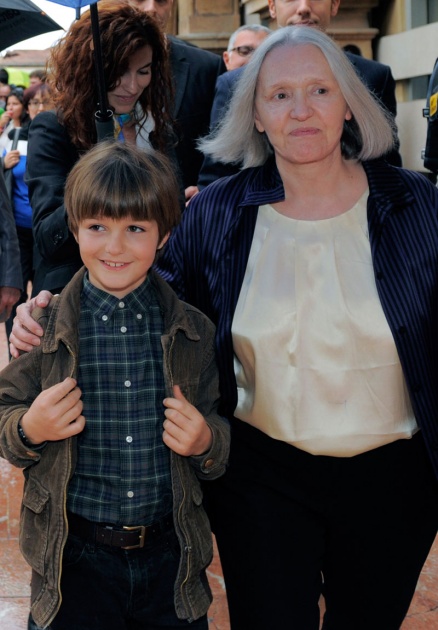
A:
(116, 180)
(115, 193)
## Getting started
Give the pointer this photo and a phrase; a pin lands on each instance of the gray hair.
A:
(368, 135)
(255, 28)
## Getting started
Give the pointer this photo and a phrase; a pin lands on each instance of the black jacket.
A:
(10, 266)
(194, 73)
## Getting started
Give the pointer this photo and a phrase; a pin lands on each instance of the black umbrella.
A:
(104, 116)
(21, 19)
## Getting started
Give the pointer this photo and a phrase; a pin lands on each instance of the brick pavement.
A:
(14, 573)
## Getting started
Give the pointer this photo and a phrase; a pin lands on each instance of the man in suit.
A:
(376, 76)
(194, 74)
(243, 43)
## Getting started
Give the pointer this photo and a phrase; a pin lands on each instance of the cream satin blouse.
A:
(315, 361)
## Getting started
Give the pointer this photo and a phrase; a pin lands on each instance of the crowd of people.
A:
(244, 338)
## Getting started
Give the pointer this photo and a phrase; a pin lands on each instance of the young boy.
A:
(112, 520)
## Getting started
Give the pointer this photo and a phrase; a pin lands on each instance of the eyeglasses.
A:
(36, 103)
(243, 51)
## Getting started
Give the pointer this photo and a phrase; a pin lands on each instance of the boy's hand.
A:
(55, 414)
(26, 332)
(185, 429)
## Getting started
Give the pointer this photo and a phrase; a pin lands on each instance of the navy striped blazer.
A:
(206, 256)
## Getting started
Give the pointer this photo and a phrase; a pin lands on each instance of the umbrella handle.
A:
(104, 127)
(98, 63)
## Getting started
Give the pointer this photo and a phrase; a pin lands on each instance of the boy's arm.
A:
(15, 400)
(50, 415)
(29, 416)
(211, 463)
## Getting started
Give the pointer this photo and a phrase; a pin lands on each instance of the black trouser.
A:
(285, 521)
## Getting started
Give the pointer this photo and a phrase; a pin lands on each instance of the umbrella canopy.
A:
(74, 4)
(21, 19)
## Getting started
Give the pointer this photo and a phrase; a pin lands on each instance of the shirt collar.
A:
(102, 303)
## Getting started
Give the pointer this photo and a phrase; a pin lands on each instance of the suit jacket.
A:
(376, 76)
(194, 72)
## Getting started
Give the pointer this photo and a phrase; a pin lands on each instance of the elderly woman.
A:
(318, 264)
(139, 92)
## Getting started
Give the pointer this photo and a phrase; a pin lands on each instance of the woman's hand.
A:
(5, 119)
(8, 297)
(185, 429)
(11, 158)
(26, 332)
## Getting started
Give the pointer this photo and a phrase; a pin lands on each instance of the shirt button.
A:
(139, 316)
(127, 383)
(123, 329)
(129, 439)
(130, 494)
(121, 304)
(209, 463)
(104, 318)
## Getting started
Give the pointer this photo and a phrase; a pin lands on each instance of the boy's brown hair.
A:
(118, 180)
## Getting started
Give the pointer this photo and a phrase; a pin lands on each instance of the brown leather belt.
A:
(122, 536)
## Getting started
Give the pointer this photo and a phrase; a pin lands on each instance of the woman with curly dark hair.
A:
(139, 92)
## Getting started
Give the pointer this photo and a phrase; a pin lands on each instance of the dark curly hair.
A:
(123, 31)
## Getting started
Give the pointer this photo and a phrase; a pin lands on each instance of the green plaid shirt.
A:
(123, 470)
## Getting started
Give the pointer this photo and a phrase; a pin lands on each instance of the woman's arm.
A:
(51, 156)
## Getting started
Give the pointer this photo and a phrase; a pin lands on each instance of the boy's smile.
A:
(118, 253)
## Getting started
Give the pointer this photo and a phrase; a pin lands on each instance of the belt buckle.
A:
(142, 535)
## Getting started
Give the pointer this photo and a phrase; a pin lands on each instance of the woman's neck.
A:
(321, 190)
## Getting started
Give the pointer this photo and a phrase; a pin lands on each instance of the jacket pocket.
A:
(34, 524)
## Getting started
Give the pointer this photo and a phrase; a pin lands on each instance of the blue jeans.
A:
(105, 588)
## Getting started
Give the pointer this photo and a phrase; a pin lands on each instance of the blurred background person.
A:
(24, 107)
(6, 123)
(36, 77)
(5, 90)
(10, 270)
(243, 43)
(38, 98)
